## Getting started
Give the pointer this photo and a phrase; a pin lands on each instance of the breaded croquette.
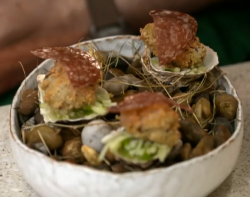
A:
(193, 55)
(157, 123)
(60, 94)
(148, 116)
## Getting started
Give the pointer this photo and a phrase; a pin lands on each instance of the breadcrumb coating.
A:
(60, 94)
(148, 36)
(193, 56)
(158, 123)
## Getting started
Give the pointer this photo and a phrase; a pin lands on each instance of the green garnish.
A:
(134, 150)
(103, 101)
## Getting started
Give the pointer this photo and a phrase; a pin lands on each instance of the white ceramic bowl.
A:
(194, 178)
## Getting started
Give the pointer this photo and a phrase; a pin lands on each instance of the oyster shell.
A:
(210, 61)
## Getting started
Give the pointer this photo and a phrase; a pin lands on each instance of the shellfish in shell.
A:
(70, 90)
(172, 48)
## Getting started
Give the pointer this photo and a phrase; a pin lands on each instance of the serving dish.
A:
(193, 178)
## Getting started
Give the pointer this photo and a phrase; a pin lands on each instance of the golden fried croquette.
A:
(60, 94)
(148, 36)
(156, 122)
(193, 56)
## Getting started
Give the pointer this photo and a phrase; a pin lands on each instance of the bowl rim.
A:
(183, 164)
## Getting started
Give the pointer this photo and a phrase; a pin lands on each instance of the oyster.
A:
(70, 91)
(149, 129)
(177, 51)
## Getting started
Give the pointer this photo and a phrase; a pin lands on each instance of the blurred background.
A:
(223, 25)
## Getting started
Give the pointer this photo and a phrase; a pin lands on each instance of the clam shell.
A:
(210, 61)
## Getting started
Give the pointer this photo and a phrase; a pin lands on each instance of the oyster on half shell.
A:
(172, 47)
(98, 108)
(70, 91)
(151, 65)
